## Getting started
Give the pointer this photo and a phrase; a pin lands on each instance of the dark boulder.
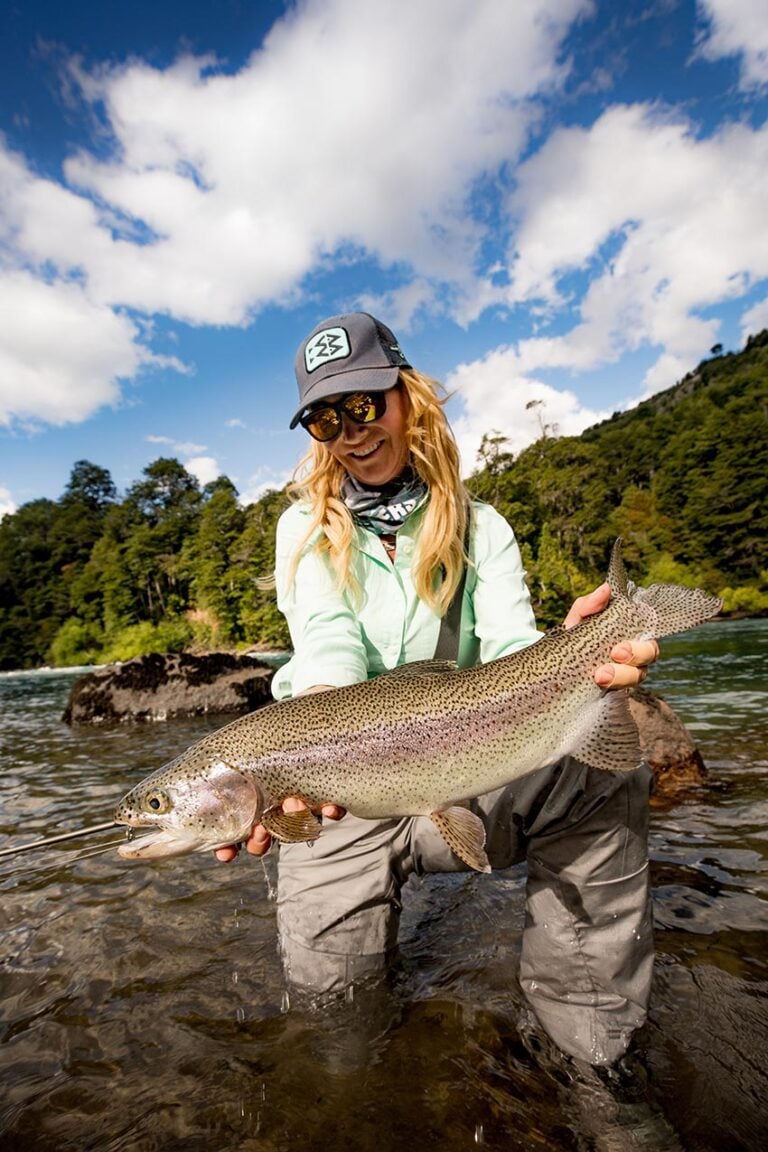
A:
(667, 744)
(160, 687)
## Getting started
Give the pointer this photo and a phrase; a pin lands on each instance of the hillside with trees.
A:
(682, 477)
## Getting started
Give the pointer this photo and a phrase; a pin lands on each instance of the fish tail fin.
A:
(677, 609)
(673, 608)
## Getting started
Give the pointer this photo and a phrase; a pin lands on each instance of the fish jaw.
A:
(189, 807)
(158, 845)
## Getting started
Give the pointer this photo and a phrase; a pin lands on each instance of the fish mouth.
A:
(158, 844)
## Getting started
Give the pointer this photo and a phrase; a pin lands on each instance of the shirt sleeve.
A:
(503, 616)
(326, 636)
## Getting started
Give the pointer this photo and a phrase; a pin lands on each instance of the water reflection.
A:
(144, 1006)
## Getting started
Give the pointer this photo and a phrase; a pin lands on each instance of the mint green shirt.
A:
(337, 641)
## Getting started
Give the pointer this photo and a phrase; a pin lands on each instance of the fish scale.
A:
(418, 741)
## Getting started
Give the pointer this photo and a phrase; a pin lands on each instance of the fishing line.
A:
(58, 839)
(96, 851)
(72, 858)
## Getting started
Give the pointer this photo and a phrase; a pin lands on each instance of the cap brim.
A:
(356, 380)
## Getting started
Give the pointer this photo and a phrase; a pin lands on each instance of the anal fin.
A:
(612, 743)
(464, 833)
(291, 826)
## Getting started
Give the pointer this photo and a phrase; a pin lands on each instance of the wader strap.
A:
(450, 626)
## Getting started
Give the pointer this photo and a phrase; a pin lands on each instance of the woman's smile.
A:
(361, 453)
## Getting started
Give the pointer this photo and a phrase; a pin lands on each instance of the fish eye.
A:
(158, 801)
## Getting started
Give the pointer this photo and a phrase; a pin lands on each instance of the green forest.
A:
(96, 577)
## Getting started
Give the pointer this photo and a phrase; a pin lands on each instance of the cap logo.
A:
(330, 344)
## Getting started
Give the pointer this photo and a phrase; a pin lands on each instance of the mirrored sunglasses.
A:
(324, 422)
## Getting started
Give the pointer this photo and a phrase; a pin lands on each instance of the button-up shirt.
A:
(340, 639)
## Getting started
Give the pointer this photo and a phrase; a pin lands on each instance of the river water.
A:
(143, 1006)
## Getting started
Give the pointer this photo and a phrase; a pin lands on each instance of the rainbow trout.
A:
(418, 741)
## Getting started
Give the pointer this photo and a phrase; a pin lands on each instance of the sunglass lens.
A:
(364, 406)
(323, 423)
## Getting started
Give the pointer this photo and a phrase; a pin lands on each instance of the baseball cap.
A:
(349, 353)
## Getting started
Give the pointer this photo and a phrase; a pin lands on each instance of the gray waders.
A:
(587, 953)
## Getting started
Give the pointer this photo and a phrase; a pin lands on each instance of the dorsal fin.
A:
(617, 573)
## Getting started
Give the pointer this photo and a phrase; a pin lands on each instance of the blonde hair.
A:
(434, 456)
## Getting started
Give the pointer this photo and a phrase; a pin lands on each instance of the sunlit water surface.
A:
(143, 1006)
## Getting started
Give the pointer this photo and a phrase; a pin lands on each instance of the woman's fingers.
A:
(637, 653)
(225, 855)
(629, 664)
(619, 676)
(260, 841)
(588, 605)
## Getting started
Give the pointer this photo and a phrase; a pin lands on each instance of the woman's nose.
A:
(351, 430)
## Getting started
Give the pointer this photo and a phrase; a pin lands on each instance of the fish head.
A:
(196, 802)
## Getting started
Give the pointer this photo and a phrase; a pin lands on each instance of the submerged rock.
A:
(160, 687)
(667, 744)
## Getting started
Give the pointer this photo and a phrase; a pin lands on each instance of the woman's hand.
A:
(629, 660)
(260, 841)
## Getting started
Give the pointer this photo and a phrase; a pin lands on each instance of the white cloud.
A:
(204, 468)
(499, 398)
(61, 355)
(241, 184)
(755, 319)
(399, 305)
(7, 503)
(223, 192)
(638, 250)
(737, 28)
(180, 447)
(63, 352)
(672, 230)
(260, 482)
(235, 422)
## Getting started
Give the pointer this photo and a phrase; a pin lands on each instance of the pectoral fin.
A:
(612, 743)
(291, 826)
(464, 833)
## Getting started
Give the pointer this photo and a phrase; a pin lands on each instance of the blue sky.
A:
(551, 200)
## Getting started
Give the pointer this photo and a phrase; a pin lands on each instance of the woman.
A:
(368, 561)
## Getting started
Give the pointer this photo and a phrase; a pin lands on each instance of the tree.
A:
(254, 561)
(33, 601)
(209, 563)
(163, 509)
(90, 486)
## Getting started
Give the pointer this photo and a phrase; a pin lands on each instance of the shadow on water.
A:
(144, 1007)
